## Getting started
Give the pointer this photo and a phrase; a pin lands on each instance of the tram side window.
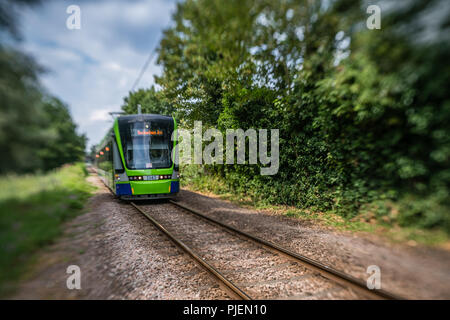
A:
(129, 155)
(110, 153)
(105, 160)
(117, 162)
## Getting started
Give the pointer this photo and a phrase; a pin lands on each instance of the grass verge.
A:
(32, 210)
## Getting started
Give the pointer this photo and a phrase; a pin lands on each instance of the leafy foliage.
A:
(21, 119)
(67, 145)
(36, 130)
(363, 114)
(150, 100)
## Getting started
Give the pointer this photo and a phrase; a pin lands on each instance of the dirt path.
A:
(122, 256)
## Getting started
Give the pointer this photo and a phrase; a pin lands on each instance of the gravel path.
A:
(412, 272)
(121, 256)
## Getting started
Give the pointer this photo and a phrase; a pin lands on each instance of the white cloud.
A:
(100, 115)
(112, 66)
(92, 69)
(137, 13)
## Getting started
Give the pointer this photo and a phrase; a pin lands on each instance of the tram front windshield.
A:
(147, 144)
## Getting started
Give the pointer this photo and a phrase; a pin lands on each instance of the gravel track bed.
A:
(268, 275)
(123, 256)
(307, 287)
(414, 272)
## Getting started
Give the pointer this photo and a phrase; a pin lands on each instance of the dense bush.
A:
(363, 114)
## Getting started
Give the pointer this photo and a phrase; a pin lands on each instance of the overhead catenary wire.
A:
(147, 62)
(144, 68)
(149, 59)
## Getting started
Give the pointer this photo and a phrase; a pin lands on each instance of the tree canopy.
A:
(363, 114)
(150, 100)
(36, 130)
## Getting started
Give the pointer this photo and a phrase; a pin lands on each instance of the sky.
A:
(92, 69)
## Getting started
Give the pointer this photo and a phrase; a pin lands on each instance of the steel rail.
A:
(229, 284)
(323, 269)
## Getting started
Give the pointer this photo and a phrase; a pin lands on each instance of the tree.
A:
(66, 145)
(36, 130)
(363, 114)
(150, 100)
(22, 120)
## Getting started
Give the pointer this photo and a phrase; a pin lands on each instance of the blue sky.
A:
(93, 68)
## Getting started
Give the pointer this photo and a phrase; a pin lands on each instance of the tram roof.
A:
(145, 116)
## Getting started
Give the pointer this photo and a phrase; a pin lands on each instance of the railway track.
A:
(249, 267)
